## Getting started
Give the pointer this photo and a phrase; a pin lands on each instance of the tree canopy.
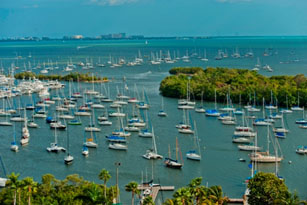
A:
(75, 76)
(240, 83)
(266, 188)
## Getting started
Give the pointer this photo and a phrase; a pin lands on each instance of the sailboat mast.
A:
(176, 148)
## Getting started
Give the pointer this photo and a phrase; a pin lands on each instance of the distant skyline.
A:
(58, 18)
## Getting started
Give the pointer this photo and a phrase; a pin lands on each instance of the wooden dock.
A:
(155, 190)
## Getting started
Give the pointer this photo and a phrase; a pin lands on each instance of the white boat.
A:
(131, 128)
(91, 141)
(301, 150)
(145, 133)
(32, 124)
(152, 153)
(192, 154)
(265, 157)
(117, 114)
(242, 140)
(85, 151)
(162, 113)
(245, 133)
(91, 128)
(55, 148)
(186, 131)
(3, 182)
(90, 144)
(66, 116)
(5, 123)
(97, 106)
(249, 147)
(14, 146)
(54, 145)
(25, 132)
(104, 122)
(68, 158)
(118, 146)
(297, 108)
(115, 105)
(82, 113)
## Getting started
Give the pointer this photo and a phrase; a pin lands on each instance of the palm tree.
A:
(133, 188)
(215, 194)
(13, 184)
(148, 201)
(31, 186)
(183, 196)
(105, 176)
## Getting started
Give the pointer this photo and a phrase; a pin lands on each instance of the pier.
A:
(155, 190)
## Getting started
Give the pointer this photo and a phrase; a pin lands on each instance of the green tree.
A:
(133, 188)
(148, 201)
(30, 187)
(105, 176)
(13, 183)
(266, 188)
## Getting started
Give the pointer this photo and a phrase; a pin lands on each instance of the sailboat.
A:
(54, 145)
(25, 132)
(173, 163)
(14, 146)
(253, 108)
(69, 158)
(90, 142)
(192, 154)
(153, 153)
(186, 127)
(271, 106)
(297, 108)
(103, 120)
(147, 131)
(6, 114)
(205, 56)
(286, 110)
(213, 112)
(162, 113)
(302, 120)
(85, 151)
(262, 121)
(186, 103)
(280, 131)
(91, 127)
(265, 157)
(201, 108)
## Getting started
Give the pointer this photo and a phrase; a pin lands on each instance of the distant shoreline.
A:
(39, 39)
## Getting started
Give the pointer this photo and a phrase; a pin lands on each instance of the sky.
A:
(57, 18)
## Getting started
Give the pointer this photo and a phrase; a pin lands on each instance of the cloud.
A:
(232, 1)
(112, 2)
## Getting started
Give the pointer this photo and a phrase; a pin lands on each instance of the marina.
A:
(134, 74)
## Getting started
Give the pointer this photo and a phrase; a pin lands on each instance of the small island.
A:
(87, 77)
(241, 84)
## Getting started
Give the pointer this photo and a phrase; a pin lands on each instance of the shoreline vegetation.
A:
(75, 76)
(241, 84)
(265, 188)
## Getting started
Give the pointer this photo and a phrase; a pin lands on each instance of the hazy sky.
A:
(57, 18)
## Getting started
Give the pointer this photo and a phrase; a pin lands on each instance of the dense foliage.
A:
(187, 70)
(69, 77)
(266, 188)
(72, 190)
(195, 193)
(239, 83)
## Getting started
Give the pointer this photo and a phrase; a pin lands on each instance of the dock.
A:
(155, 190)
